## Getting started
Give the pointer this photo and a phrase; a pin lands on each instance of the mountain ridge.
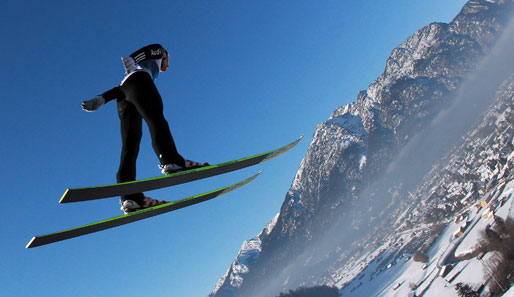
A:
(340, 181)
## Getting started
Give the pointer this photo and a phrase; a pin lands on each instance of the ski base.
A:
(134, 216)
(92, 193)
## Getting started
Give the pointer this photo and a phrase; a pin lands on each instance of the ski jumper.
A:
(138, 99)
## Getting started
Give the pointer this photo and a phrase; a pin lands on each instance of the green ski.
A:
(92, 193)
(134, 216)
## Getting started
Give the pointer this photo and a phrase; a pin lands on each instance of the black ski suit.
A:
(138, 99)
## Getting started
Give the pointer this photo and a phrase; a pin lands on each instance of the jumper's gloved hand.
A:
(128, 63)
(93, 104)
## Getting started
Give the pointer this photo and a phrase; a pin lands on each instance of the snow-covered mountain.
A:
(387, 177)
(246, 258)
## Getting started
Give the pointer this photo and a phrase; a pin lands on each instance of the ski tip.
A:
(29, 245)
(252, 178)
(64, 196)
(256, 175)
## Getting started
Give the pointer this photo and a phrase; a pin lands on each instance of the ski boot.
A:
(128, 206)
(172, 168)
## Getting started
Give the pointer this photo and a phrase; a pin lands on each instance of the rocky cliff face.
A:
(354, 188)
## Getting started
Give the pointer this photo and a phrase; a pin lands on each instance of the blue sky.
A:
(245, 77)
